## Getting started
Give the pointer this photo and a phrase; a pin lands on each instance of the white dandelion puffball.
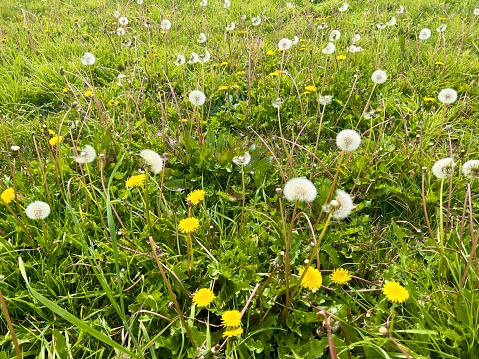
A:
(117, 14)
(391, 22)
(227, 4)
(243, 17)
(197, 98)
(201, 38)
(86, 155)
(256, 21)
(194, 58)
(204, 58)
(119, 79)
(329, 49)
(356, 38)
(123, 21)
(471, 168)
(381, 26)
(379, 77)
(230, 27)
(139, 2)
(120, 31)
(325, 100)
(278, 102)
(180, 60)
(295, 40)
(342, 205)
(153, 160)
(284, 44)
(165, 24)
(441, 28)
(242, 160)
(443, 168)
(37, 210)
(447, 96)
(400, 10)
(424, 34)
(300, 189)
(344, 7)
(334, 35)
(88, 59)
(476, 12)
(203, 3)
(354, 49)
(348, 140)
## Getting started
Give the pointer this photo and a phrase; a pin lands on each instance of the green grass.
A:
(85, 281)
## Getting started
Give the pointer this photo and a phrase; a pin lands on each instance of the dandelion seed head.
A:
(242, 160)
(334, 35)
(88, 59)
(284, 44)
(37, 210)
(424, 34)
(379, 77)
(120, 31)
(194, 58)
(201, 38)
(344, 7)
(153, 160)
(471, 168)
(165, 24)
(256, 21)
(447, 96)
(86, 155)
(348, 140)
(300, 189)
(180, 60)
(123, 21)
(230, 27)
(277, 103)
(197, 98)
(329, 49)
(443, 168)
(344, 205)
(325, 100)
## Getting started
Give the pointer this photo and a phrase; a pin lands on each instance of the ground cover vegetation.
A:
(226, 179)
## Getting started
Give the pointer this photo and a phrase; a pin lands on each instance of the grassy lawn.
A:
(262, 179)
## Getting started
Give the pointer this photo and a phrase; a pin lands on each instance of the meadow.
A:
(230, 179)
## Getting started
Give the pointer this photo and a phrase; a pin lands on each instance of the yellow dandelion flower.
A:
(188, 225)
(275, 73)
(51, 132)
(88, 93)
(231, 318)
(312, 279)
(395, 292)
(440, 63)
(340, 276)
(341, 57)
(270, 53)
(8, 195)
(55, 140)
(223, 87)
(135, 181)
(203, 297)
(429, 99)
(241, 73)
(196, 196)
(66, 89)
(224, 63)
(232, 332)
(184, 120)
(242, 32)
(306, 93)
(310, 88)
(443, 18)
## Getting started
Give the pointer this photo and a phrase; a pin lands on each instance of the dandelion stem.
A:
(3, 304)
(287, 244)
(441, 225)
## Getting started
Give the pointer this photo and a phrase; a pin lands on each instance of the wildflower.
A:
(201, 38)
(471, 168)
(226, 4)
(344, 7)
(37, 210)
(277, 103)
(188, 225)
(256, 21)
(381, 26)
(230, 27)
(88, 59)
(165, 24)
(86, 155)
(8, 195)
(15, 148)
(88, 93)
(341, 57)
(443, 168)
(203, 297)
(270, 53)
(194, 58)
(476, 12)
(323, 26)
(231, 318)
(395, 292)
(123, 21)
(424, 34)
(429, 99)
(310, 88)
(312, 279)
(139, 2)
(196, 196)
(203, 3)
(334, 35)
(441, 28)
(136, 181)
(348, 140)
(153, 160)
(180, 60)
(325, 100)
(379, 77)
(55, 140)
(391, 22)
(329, 49)
(354, 49)
(447, 96)
(340, 276)
(294, 40)
(197, 98)
(400, 10)
(224, 63)
(204, 58)
(232, 332)
(284, 44)
(300, 189)
(290, 5)
(223, 87)
(440, 63)
(356, 38)
(242, 160)
(119, 79)
(120, 31)
(342, 205)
